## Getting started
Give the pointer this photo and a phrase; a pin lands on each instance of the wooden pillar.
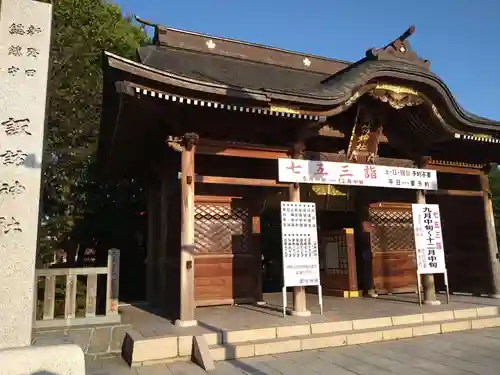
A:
(299, 292)
(187, 302)
(427, 280)
(491, 236)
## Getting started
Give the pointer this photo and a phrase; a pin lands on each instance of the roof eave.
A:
(394, 71)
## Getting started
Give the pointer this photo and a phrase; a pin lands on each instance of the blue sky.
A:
(461, 38)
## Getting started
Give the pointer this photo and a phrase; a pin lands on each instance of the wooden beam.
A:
(461, 193)
(451, 169)
(220, 180)
(242, 150)
(257, 151)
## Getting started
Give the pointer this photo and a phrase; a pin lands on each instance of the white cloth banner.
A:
(327, 172)
(428, 239)
(300, 244)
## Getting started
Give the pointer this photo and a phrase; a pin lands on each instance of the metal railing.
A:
(111, 315)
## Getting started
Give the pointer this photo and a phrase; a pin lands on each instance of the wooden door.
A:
(392, 248)
(225, 261)
(338, 262)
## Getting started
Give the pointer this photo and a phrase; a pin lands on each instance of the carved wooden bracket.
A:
(297, 150)
(424, 161)
(180, 144)
(175, 143)
(190, 140)
(488, 167)
(399, 49)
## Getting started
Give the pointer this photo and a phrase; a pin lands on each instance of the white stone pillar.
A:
(25, 28)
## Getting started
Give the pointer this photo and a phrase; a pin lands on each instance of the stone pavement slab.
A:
(473, 352)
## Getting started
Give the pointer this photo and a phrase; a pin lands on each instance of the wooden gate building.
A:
(203, 121)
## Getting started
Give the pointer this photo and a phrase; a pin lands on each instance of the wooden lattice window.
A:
(392, 230)
(221, 228)
(335, 254)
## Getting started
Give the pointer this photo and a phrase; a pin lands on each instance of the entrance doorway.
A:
(330, 224)
(271, 250)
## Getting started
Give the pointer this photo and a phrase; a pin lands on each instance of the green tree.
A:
(82, 30)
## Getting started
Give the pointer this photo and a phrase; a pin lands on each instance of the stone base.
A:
(300, 313)
(53, 359)
(432, 302)
(186, 323)
(137, 350)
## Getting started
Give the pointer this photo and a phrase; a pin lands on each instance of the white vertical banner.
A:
(428, 239)
(299, 234)
(300, 244)
(429, 244)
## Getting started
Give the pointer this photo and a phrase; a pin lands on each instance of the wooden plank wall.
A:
(224, 260)
(392, 248)
(464, 235)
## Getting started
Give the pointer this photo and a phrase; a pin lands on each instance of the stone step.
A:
(141, 351)
(259, 347)
(291, 330)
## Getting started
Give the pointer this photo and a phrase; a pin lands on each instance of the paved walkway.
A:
(463, 353)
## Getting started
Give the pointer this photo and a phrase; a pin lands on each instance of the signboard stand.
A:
(447, 287)
(419, 287)
(299, 236)
(429, 245)
(320, 299)
(285, 302)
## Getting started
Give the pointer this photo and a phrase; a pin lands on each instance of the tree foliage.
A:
(73, 192)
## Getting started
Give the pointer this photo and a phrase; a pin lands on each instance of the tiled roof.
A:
(231, 71)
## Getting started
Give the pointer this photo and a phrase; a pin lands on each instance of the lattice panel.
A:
(340, 239)
(220, 228)
(392, 230)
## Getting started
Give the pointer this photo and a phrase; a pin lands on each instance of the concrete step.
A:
(289, 337)
(246, 349)
(291, 330)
